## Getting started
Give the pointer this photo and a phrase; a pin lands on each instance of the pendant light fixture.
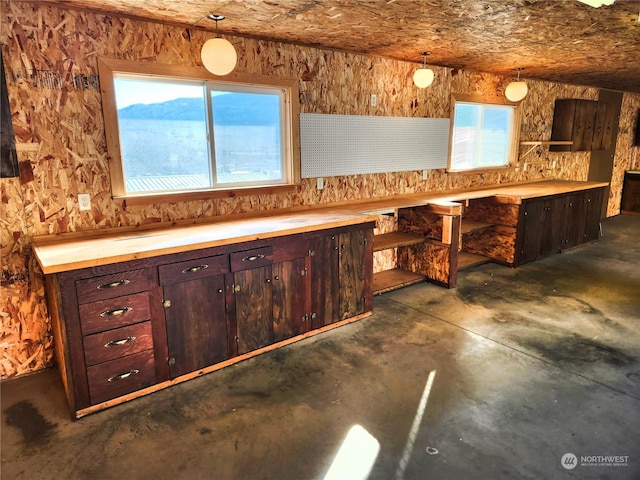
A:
(423, 77)
(217, 54)
(516, 91)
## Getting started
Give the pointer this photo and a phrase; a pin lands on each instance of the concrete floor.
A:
(529, 364)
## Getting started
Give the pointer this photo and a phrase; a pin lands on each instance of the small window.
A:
(483, 135)
(192, 133)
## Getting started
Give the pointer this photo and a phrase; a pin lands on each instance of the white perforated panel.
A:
(353, 144)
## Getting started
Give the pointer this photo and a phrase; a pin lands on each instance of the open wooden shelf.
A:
(392, 279)
(468, 260)
(469, 226)
(537, 143)
(395, 239)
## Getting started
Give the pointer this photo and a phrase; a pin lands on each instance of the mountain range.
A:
(228, 109)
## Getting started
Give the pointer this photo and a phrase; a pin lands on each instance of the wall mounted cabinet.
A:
(583, 122)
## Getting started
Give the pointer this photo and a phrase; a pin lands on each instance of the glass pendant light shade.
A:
(218, 56)
(516, 91)
(423, 77)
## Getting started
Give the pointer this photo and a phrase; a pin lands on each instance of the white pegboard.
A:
(352, 144)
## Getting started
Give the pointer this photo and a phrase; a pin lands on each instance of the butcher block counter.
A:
(136, 310)
(58, 253)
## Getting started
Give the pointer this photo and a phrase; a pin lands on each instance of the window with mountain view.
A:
(193, 134)
(483, 136)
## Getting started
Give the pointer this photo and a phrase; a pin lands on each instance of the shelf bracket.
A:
(538, 143)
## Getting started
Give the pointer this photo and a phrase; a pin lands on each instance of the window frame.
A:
(109, 67)
(513, 148)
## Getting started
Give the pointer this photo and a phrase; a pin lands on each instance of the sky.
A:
(130, 92)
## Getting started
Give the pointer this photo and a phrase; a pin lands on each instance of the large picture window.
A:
(192, 133)
(483, 134)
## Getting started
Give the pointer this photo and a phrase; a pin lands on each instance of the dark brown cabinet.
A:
(342, 273)
(584, 122)
(291, 310)
(195, 313)
(551, 224)
(141, 324)
(106, 349)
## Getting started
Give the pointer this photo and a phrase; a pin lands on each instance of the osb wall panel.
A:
(25, 340)
(627, 155)
(496, 243)
(385, 259)
(50, 60)
(430, 259)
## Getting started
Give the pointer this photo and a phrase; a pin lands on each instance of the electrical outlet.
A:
(320, 183)
(84, 201)
(425, 174)
(373, 100)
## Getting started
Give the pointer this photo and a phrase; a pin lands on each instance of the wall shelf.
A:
(537, 143)
(395, 239)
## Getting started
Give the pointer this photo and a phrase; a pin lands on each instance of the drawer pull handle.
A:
(195, 269)
(253, 258)
(117, 343)
(116, 312)
(123, 375)
(119, 283)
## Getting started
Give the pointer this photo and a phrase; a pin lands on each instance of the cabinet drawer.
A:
(113, 313)
(193, 269)
(118, 377)
(114, 285)
(105, 346)
(247, 259)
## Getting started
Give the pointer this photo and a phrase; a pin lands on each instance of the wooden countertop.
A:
(59, 253)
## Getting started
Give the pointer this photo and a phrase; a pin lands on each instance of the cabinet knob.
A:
(276, 277)
(220, 290)
(268, 280)
(166, 303)
(236, 288)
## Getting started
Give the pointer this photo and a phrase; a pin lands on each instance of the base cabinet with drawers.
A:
(145, 324)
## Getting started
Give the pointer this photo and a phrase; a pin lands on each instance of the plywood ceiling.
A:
(562, 41)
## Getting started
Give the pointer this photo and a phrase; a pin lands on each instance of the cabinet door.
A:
(355, 282)
(196, 324)
(290, 313)
(253, 298)
(592, 215)
(195, 315)
(325, 281)
(532, 230)
(553, 225)
(576, 221)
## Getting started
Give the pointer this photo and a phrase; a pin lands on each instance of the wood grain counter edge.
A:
(59, 253)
